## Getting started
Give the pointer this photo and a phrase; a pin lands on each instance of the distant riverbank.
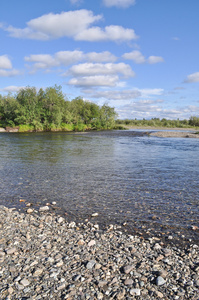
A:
(175, 134)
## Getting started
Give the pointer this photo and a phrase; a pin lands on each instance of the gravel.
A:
(43, 256)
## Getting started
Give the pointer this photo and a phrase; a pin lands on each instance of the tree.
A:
(28, 111)
(107, 116)
(53, 102)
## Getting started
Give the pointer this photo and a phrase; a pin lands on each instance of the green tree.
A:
(53, 103)
(107, 116)
(8, 110)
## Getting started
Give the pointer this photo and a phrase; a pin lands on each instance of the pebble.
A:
(44, 208)
(160, 280)
(94, 215)
(135, 292)
(43, 256)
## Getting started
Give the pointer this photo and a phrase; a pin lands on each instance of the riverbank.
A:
(43, 256)
(174, 134)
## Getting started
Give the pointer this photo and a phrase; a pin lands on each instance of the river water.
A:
(149, 183)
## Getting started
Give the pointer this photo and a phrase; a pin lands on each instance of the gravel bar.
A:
(43, 256)
(174, 134)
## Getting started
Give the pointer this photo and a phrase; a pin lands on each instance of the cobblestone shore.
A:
(42, 256)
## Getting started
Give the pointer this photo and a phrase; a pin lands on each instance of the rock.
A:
(135, 292)
(159, 294)
(97, 266)
(37, 272)
(127, 269)
(30, 210)
(95, 215)
(42, 258)
(90, 264)
(72, 225)
(25, 282)
(121, 294)
(44, 208)
(128, 281)
(60, 220)
(91, 243)
(81, 242)
(160, 280)
(194, 227)
(102, 283)
(11, 251)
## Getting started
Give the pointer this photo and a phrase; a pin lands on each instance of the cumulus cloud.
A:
(139, 58)
(97, 80)
(6, 69)
(66, 58)
(90, 69)
(110, 33)
(194, 77)
(115, 94)
(119, 3)
(155, 59)
(5, 62)
(136, 56)
(73, 24)
(8, 73)
(151, 92)
(12, 89)
(104, 56)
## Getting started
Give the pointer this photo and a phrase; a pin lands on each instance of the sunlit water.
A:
(122, 175)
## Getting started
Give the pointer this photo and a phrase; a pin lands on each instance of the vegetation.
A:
(156, 122)
(48, 110)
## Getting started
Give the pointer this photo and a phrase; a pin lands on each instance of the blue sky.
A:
(139, 56)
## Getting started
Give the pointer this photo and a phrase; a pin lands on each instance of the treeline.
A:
(156, 122)
(48, 109)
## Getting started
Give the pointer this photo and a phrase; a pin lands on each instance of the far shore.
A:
(164, 132)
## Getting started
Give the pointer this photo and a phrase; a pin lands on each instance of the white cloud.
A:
(149, 92)
(97, 80)
(53, 26)
(104, 56)
(115, 94)
(139, 58)
(5, 62)
(65, 58)
(73, 24)
(111, 33)
(75, 2)
(90, 69)
(155, 59)
(8, 73)
(136, 56)
(194, 77)
(119, 3)
(12, 89)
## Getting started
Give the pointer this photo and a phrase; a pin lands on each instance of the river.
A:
(146, 182)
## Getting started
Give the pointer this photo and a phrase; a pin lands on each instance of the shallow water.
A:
(125, 176)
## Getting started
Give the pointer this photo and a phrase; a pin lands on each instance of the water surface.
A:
(125, 176)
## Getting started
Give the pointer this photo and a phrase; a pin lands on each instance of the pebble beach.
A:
(44, 256)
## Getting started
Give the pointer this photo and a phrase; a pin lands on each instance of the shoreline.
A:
(42, 256)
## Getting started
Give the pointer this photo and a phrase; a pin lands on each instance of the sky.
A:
(139, 56)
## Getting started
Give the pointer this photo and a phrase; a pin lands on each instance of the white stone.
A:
(135, 292)
(44, 208)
